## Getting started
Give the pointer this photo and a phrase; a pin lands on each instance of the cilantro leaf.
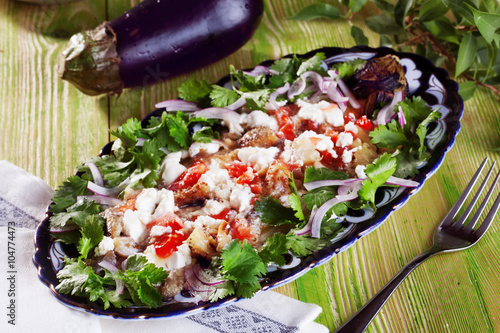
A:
(304, 245)
(242, 264)
(389, 136)
(378, 173)
(313, 174)
(194, 90)
(274, 249)
(205, 135)
(139, 278)
(294, 199)
(75, 214)
(315, 63)
(272, 212)
(348, 68)
(222, 97)
(92, 233)
(66, 194)
(72, 277)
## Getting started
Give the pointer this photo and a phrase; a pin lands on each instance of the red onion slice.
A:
(276, 93)
(260, 70)
(238, 104)
(329, 182)
(101, 199)
(108, 266)
(401, 117)
(402, 182)
(296, 88)
(204, 278)
(336, 96)
(387, 113)
(107, 191)
(178, 105)
(96, 174)
(230, 117)
(348, 93)
(349, 192)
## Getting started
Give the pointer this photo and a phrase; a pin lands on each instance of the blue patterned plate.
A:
(424, 79)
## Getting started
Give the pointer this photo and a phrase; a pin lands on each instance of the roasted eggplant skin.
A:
(156, 40)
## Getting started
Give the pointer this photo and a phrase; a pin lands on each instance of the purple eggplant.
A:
(156, 40)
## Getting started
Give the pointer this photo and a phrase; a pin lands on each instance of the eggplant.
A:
(156, 40)
(377, 81)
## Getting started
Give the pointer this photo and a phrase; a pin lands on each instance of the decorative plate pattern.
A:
(432, 84)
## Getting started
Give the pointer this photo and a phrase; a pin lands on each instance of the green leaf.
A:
(222, 97)
(274, 249)
(431, 10)
(92, 233)
(389, 136)
(304, 245)
(382, 24)
(378, 173)
(73, 276)
(272, 212)
(194, 90)
(466, 54)
(66, 194)
(316, 11)
(401, 10)
(242, 264)
(467, 89)
(315, 63)
(443, 29)
(461, 9)
(294, 199)
(356, 5)
(487, 24)
(313, 174)
(358, 36)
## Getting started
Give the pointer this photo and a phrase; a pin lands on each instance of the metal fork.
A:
(449, 236)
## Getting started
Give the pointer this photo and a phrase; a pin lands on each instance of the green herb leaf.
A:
(304, 245)
(194, 90)
(66, 194)
(274, 249)
(315, 11)
(466, 53)
(378, 173)
(272, 212)
(313, 174)
(222, 97)
(358, 36)
(92, 233)
(487, 25)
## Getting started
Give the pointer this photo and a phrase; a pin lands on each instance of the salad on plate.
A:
(202, 201)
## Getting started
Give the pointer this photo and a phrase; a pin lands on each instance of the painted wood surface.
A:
(48, 128)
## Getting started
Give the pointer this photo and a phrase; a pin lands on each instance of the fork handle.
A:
(365, 315)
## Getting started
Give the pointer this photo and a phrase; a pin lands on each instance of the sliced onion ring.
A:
(96, 174)
(178, 105)
(230, 117)
(347, 92)
(107, 191)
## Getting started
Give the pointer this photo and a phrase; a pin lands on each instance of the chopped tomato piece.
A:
(354, 136)
(285, 123)
(223, 215)
(236, 169)
(364, 123)
(168, 243)
(168, 220)
(327, 158)
(189, 177)
(334, 135)
(240, 229)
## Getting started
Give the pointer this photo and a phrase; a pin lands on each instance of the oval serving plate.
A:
(424, 79)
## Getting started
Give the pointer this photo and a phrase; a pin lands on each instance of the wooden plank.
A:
(48, 126)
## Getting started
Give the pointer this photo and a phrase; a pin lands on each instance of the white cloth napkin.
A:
(23, 200)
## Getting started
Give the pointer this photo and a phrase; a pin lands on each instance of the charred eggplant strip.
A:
(157, 40)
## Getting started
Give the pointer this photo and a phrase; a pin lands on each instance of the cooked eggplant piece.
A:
(377, 81)
(156, 40)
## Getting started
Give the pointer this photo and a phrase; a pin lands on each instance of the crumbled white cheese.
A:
(198, 147)
(213, 207)
(159, 230)
(147, 200)
(206, 221)
(334, 116)
(259, 158)
(166, 203)
(241, 197)
(133, 227)
(178, 259)
(104, 246)
(218, 180)
(360, 171)
(347, 156)
(172, 168)
(257, 119)
(312, 112)
(344, 139)
(350, 126)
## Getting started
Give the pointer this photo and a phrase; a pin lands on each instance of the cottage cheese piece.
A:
(172, 168)
(198, 147)
(178, 259)
(133, 227)
(334, 116)
(241, 197)
(345, 139)
(259, 158)
(159, 230)
(147, 200)
(360, 171)
(166, 203)
(104, 246)
(350, 126)
(312, 112)
(213, 207)
(257, 119)
(218, 181)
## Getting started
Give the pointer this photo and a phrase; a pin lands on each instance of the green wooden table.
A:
(48, 127)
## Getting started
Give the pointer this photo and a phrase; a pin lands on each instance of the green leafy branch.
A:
(461, 35)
